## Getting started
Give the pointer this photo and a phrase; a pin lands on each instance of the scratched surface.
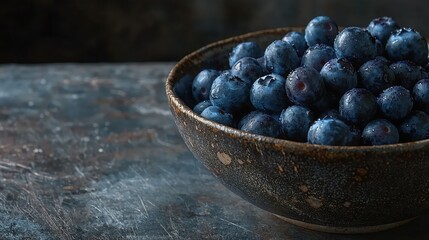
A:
(92, 152)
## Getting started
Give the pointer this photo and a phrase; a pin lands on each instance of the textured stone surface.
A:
(92, 152)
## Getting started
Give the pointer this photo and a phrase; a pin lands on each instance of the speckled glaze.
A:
(335, 189)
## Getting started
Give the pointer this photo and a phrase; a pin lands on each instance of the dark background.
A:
(37, 31)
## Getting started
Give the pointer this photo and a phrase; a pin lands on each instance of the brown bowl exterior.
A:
(322, 185)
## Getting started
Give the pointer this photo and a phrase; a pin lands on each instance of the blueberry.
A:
(244, 49)
(329, 131)
(295, 122)
(304, 86)
(230, 93)
(358, 106)
(380, 132)
(297, 40)
(263, 124)
(415, 127)
(407, 44)
(218, 115)
(203, 83)
(248, 69)
(355, 44)
(381, 28)
(339, 75)
(268, 93)
(199, 108)
(183, 89)
(421, 95)
(281, 58)
(244, 119)
(406, 73)
(395, 103)
(316, 56)
(321, 30)
(375, 75)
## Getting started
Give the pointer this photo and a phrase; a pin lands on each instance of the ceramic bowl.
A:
(326, 188)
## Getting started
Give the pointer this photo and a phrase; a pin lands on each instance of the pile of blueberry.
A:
(358, 86)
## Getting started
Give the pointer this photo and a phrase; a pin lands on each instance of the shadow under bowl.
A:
(326, 188)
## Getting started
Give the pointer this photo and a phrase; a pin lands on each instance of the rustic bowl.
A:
(326, 188)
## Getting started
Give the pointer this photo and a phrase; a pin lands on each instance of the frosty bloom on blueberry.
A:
(360, 86)
(316, 56)
(305, 86)
(297, 40)
(407, 44)
(245, 49)
(247, 69)
(375, 75)
(321, 30)
(381, 28)
(281, 58)
(202, 84)
(339, 75)
(268, 93)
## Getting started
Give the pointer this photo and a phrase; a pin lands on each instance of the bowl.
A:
(327, 188)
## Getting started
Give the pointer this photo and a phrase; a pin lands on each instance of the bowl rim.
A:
(173, 99)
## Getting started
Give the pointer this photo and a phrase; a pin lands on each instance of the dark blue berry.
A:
(358, 106)
(355, 44)
(248, 69)
(199, 108)
(316, 56)
(339, 75)
(380, 132)
(295, 122)
(268, 93)
(218, 115)
(407, 44)
(263, 124)
(297, 40)
(304, 86)
(421, 95)
(329, 131)
(375, 75)
(381, 28)
(183, 89)
(395, 103)
(321, 30)
(406, 73)
(281, 58)
(245, 49)
(202, 84)
(415, 127)
(230, 93)
(247, 117)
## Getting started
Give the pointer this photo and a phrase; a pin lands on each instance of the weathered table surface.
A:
(92, 152)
